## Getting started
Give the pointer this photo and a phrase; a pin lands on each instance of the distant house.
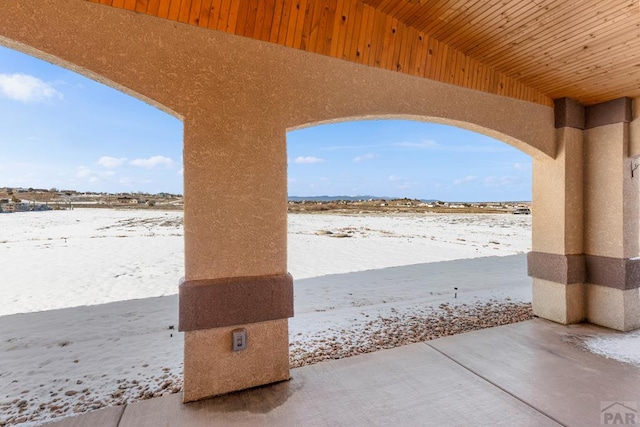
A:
(126, 200)
(522, 211)
(22, 207)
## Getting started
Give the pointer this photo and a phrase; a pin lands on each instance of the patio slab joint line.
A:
(122, 414)
(496, 385)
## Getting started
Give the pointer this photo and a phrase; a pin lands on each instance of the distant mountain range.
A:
(346, 198)
(366, 197)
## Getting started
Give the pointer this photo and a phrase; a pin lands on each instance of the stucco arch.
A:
(214, 78)
(358, 92)
(20, 47)
(463, 125)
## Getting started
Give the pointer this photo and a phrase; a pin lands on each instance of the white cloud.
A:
(93, 176)
(308, 160)
(83, 172)
(480, 148)
(499, 181)
(428, 144)
(351, 147)
(152, 162)
(522, 166)
(26, 88)
(422, 144)
(132, 181)
(181, 172)
(111, 162)
(468, 178)
(363, 158)
(402, 183)
(453, 148)
(406, 185)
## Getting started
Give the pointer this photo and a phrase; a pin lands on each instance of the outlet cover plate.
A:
(239, 339)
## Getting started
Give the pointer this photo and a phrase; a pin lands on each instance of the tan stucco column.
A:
(585, 262)
(611, 218)
(556, 262)
(235, 253)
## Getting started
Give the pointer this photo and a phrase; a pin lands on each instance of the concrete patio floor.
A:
(533, 373)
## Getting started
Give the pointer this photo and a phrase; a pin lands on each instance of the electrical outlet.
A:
(239, 339)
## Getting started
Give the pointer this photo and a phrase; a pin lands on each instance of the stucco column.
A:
(235, 254)
(556, 262)
(586, 225)
(611, 218)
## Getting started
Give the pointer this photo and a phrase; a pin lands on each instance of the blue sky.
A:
(60, 129)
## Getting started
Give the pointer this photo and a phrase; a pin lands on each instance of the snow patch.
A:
(624, 347)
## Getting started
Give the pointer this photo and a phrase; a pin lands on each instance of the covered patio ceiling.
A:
(534, 50)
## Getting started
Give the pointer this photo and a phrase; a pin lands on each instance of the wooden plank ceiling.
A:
(534, 50)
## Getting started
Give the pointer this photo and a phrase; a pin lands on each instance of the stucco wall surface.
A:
(611, 194)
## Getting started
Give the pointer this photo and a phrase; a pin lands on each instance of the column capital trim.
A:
(570, 113)
(207, 304)
(565, 269)
(607, 113)
(617, 273)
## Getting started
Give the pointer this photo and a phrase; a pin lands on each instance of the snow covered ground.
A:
(108, 280)
(60, 259)
(621, 347)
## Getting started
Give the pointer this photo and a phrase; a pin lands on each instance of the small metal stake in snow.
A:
(455, 294)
